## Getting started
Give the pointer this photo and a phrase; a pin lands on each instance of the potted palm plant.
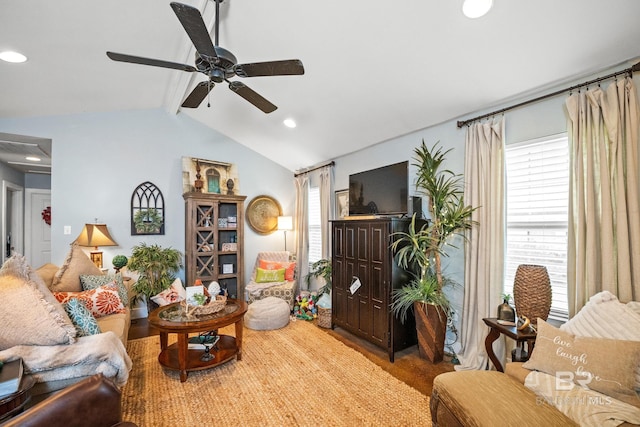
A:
(156, 266)
(420, 250)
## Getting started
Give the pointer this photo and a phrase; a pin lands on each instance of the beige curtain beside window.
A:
(301, 225)
(484, 177)
(325, 209)
(604, 214)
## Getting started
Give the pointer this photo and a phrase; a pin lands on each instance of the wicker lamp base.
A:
(532, 292)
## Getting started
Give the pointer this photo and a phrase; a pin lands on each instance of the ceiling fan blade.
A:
(287, 67)
(191, 20)
(198, 94)
(148, 61)
(252, 96)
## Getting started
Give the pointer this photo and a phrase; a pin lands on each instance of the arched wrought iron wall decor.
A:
(147, 210)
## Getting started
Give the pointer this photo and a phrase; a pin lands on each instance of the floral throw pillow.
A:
(101, 301)
(81, 318)
(90, 281)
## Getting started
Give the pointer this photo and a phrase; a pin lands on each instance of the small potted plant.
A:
(156, 266)
(321, 269)
(118, 262)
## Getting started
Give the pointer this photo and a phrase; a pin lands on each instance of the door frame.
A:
(16, 192)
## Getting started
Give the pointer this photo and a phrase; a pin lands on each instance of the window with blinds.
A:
(537, 213)
(315, 232)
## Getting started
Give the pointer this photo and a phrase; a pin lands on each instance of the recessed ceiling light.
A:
(476, 8)
(11, 56)
(33, 158)
(290, 123)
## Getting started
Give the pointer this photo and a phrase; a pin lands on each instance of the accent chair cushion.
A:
(600, 364)
(77, 263)
(266, 314)
(29, 314)
(81, 318)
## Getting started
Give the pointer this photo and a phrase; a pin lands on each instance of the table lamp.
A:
(285, 223)
(95, 235)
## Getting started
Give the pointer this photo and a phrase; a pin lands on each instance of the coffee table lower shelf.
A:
(224, 350)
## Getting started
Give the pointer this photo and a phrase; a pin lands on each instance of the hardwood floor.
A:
(408, 367)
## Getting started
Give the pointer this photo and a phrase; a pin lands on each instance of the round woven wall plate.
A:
(262, 214)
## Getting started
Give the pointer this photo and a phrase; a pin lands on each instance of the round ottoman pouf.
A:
(266, 314)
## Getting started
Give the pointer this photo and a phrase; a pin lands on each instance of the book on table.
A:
(10, 377)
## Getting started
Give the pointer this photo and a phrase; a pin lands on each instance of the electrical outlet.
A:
(67, 229)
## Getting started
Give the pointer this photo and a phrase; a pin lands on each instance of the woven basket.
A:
(214, 306)
(532, 292)
(324, 317)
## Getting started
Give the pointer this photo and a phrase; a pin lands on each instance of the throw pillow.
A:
(265, 276)
(603, 316)
(29, 314)
(290, 267)
(67, 279)
(89, 282)
(47, 272)
(600, 364)
(81, 318)
(174, 294)
(101, 301)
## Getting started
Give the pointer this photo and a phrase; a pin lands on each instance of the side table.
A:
(527, 336)
(14, 403)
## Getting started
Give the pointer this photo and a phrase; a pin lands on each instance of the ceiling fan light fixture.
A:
(290, 123)
(13, 57)
(476, 8)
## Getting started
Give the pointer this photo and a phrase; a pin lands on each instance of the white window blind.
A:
(315, 232)
(537, 213)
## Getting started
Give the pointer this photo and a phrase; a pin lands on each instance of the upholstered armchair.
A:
(269, 280)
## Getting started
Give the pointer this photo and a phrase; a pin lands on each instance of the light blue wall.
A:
(100, 158)
(39, 181)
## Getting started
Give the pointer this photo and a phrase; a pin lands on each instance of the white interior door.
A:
(12, 219)
(37, 232)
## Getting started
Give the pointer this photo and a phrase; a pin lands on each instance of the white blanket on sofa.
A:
(586, 407)
(102, 353)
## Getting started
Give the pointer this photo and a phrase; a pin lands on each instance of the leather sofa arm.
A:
(94, 401)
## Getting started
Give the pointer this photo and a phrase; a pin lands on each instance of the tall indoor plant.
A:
(156, 266)
(421, 248)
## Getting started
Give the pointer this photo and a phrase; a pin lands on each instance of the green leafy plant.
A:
(119, 261)
(420, 249)
(321, 268)
(157, 267)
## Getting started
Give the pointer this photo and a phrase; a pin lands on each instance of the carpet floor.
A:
(293, 376)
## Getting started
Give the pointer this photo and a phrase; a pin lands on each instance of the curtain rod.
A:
(629, 71)
(313, 168)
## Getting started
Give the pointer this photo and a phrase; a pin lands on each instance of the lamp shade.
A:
(285, 223)
(532, 292)
(95, 235)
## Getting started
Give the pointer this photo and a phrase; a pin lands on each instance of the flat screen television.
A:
(381, 191)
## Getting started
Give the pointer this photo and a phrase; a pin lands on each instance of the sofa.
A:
(93, 401)
(586, 372)
(67, 323)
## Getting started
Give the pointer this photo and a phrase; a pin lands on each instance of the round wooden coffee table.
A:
(170, 319)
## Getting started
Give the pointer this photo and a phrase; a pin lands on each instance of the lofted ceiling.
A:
(374, 69)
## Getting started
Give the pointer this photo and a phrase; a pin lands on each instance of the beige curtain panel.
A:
(484, 251)
(604, 215)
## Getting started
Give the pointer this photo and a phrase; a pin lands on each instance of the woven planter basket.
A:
(324, 317)
(532, 292)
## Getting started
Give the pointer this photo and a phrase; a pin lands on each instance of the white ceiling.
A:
(374, 69)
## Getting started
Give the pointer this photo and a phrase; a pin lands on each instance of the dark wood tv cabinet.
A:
(362, 250)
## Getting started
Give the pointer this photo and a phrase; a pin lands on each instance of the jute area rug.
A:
(295, 376)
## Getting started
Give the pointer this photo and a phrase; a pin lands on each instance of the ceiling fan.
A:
(217, 63)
